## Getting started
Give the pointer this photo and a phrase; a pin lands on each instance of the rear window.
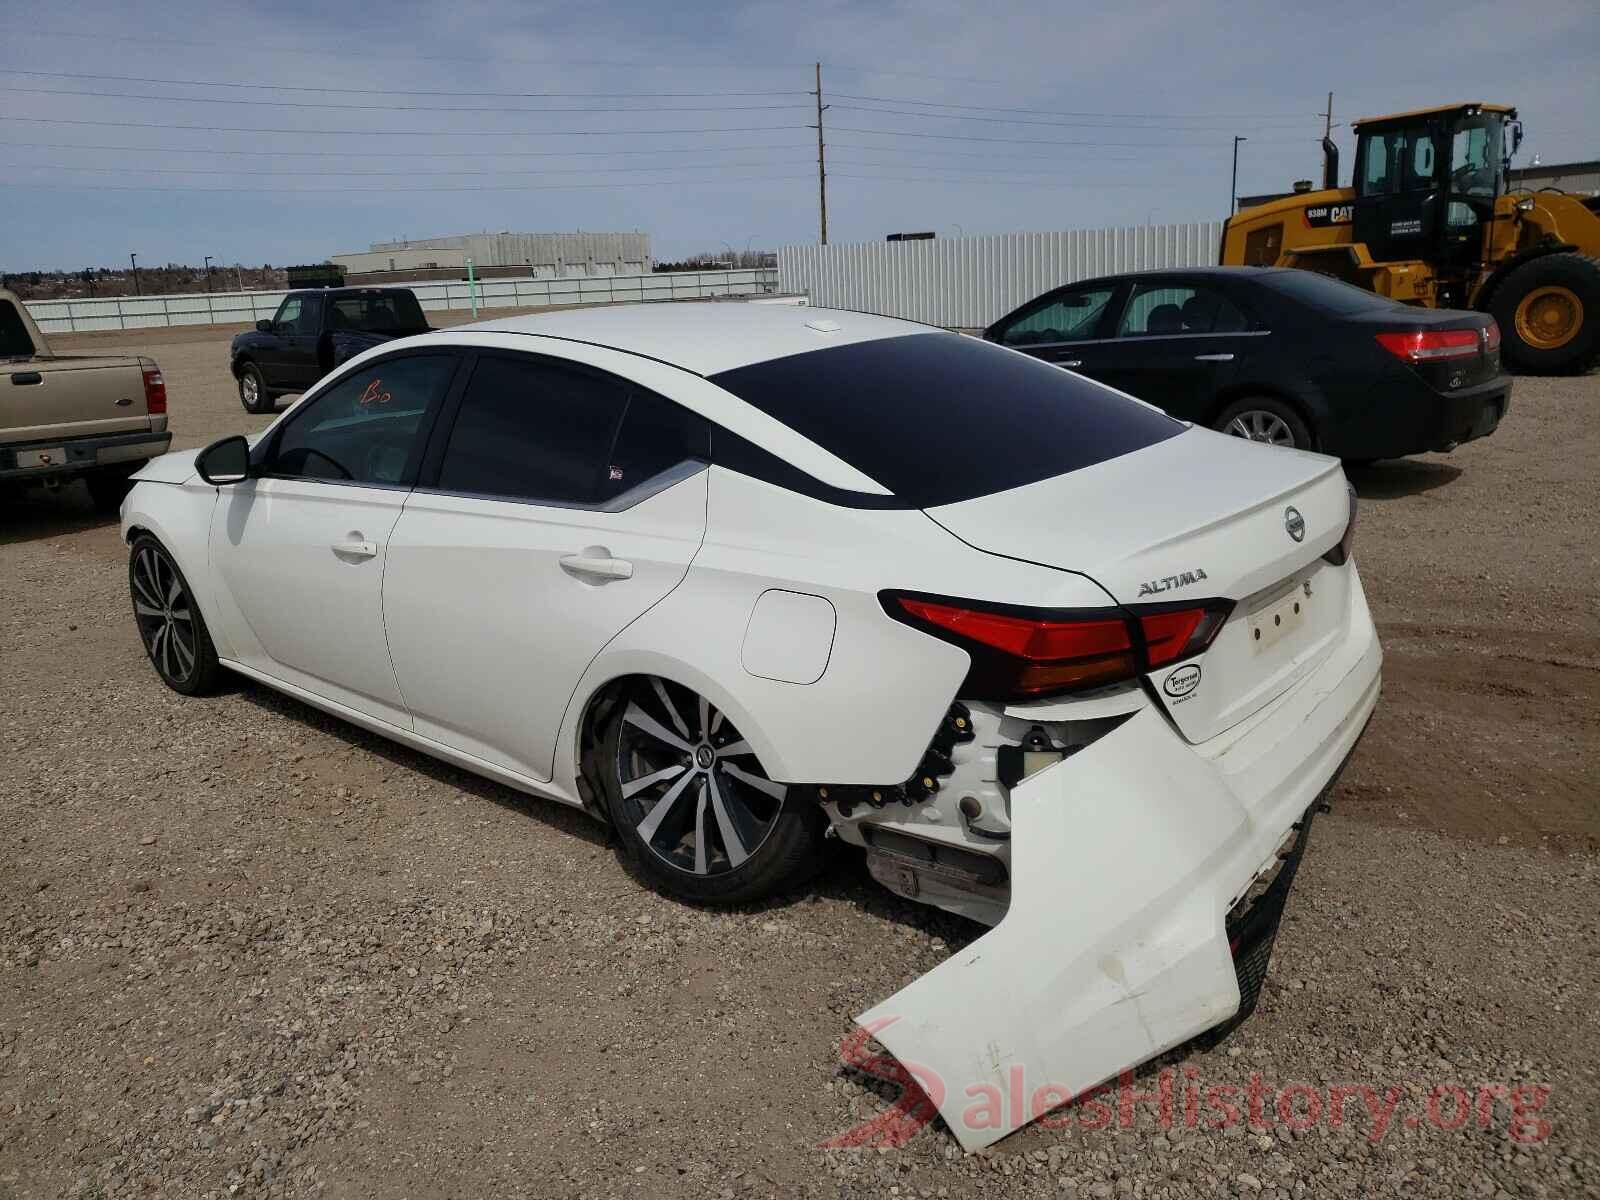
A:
(1326, 294)
(938, 418)
(379, 312)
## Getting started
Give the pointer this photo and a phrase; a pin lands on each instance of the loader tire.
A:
(1548, 311)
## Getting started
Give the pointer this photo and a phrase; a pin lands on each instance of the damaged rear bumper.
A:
(1132, 921)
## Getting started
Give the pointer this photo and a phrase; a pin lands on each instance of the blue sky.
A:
(1147, 97)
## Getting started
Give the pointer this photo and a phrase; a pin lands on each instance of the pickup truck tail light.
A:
(155, 388)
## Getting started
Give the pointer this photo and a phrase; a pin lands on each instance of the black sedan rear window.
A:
(1324, 293)
(937, 418)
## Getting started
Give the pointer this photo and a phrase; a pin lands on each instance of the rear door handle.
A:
(596, 566)
(355, 548)
(1213, 358)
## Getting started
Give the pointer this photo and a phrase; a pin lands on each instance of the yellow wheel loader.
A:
(1431, 220)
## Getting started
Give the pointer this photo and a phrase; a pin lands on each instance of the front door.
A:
(1062, 327)
(564, 502)
(1178, 343)
(298, 552)
(1397, 192)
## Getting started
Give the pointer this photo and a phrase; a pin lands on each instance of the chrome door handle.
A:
(595, 566)
(1213, 358)
(355, 549)
(1070, 363)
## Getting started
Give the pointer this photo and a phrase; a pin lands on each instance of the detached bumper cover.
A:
(1126, 861)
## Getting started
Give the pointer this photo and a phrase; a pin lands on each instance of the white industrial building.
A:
(539, 255)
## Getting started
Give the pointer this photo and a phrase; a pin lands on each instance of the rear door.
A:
(558, 503)
(298, 554)
(1064, 327)
(1177, 344)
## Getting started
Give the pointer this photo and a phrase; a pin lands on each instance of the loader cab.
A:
(1426, 183)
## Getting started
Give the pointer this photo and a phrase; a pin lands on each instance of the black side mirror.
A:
(264, 325)
(224, 462)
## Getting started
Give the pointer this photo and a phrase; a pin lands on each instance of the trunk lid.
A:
(1197, 517)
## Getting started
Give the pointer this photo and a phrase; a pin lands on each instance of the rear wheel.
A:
(170, 625)
(692, 805)
(1266, 419)
(1548, 311)
(253, 392)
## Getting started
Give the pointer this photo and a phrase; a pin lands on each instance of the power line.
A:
(964, 137)
(554, 187)
(342, 154)
(1044, 112)
(451, 133)
(350, 91)
(452, 173)
(323, 105)
(900, 112)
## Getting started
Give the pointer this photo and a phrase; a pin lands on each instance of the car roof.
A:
(706, 337)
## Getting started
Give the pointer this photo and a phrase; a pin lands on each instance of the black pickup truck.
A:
(313, 332)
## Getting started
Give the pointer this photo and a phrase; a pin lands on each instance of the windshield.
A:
(377, 312)
(940, 417)
(1476, 159)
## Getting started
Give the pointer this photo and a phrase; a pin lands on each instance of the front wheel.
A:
(696, 813)
(170, 625)
(253, 392)
(1266, 419)
(1548, 311)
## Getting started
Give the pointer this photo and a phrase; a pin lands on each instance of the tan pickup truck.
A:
(65, 416)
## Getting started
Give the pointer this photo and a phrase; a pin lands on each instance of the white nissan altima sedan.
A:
(732, 577)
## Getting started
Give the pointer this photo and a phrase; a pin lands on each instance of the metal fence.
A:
(230, 308)
(969, 282)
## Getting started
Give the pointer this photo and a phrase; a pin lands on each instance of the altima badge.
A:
(1294, 523)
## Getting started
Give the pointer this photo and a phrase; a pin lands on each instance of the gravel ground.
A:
(248, 950)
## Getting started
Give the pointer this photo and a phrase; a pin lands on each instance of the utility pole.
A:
(1233, 189)
(134, 259)
(822, 163)
(209, 288)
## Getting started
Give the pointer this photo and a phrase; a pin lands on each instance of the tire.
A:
(174, 633)
(253, 393)
(1548, 311)
(1266, 419)
(710, 832)
(108, 485)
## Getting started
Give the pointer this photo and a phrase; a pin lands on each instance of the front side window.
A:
(1157, 309)
(1072, 317)
(941, 417)
(288, 315)
(366, 428)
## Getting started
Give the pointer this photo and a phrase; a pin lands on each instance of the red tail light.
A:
(155, 389)
(1433, 344)
(1023, 654)
(1491, 336)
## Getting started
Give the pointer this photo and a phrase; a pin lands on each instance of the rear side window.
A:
(531, 430)
(1155, 309)
(535, 430)
(939, 417)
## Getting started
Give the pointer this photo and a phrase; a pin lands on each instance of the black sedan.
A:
(1277, 355)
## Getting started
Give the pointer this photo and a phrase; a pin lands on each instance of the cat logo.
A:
(1320, 216)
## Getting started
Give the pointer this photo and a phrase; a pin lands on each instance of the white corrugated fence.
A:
(227, 308)
(969, 282)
